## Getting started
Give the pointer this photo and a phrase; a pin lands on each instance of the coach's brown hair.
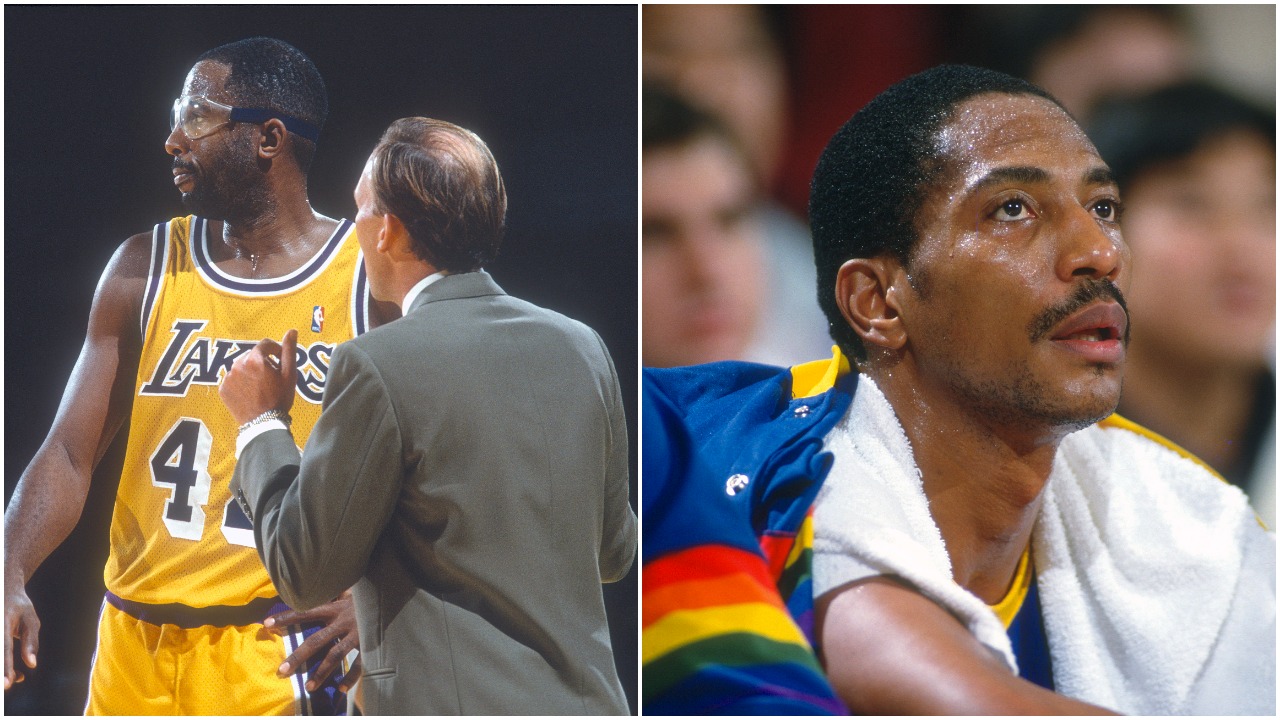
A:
(442, 182)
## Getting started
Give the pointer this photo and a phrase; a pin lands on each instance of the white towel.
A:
(1157, 586)
(1152, 554)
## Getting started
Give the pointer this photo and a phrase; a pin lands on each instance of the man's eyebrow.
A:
(1100, 175)
(1016, 173)
(1029, 174)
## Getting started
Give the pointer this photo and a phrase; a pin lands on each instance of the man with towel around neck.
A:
(947, 517)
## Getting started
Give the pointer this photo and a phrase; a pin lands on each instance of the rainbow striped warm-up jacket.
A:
(733, 459)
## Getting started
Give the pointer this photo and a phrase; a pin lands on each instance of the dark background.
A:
(552, 90)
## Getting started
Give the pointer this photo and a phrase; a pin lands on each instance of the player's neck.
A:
(984, 487)
(271, 223)
(985, 515)
(277, 239)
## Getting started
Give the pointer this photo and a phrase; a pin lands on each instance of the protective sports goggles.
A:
(198, 116)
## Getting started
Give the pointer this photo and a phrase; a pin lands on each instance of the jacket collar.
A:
(454, 287)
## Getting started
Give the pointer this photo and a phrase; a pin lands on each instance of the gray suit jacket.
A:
(468, 476)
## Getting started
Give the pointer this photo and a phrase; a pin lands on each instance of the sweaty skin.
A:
(261, 212)
(1003, 334)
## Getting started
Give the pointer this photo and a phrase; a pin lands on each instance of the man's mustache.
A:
(1089, 291)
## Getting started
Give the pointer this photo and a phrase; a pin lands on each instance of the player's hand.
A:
(337, 638)
(262, 379)
(20, 622)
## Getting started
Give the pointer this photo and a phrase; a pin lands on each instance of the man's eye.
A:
(1013, 209)
(1107, 210)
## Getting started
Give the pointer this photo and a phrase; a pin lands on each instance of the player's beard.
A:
(231, 190)
(1017, 391)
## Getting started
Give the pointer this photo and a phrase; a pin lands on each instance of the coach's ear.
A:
(394, 239)
(867, 291)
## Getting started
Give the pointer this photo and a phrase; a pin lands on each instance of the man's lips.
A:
(183, 174)
(1097, 332)
(1107, 319)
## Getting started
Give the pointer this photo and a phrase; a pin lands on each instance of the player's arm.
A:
(888, 650)
(51, 493)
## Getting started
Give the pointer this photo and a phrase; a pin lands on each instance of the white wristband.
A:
(251, 430)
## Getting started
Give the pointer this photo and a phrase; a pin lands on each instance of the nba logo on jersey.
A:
(317, 318)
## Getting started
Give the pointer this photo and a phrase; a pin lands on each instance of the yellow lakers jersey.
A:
(176, 534)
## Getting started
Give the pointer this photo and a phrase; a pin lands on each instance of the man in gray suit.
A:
(468, 474)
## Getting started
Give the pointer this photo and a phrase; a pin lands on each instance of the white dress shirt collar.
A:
(416, 290)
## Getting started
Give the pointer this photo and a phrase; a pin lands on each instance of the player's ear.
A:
(868, 294)
(272, 140)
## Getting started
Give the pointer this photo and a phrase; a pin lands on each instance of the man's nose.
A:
(1089, 250)
(176, 143)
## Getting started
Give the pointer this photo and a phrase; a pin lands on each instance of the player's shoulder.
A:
(137, 251)
(1123, 436)
(120, 291)
(130, 266)
(1122, 461)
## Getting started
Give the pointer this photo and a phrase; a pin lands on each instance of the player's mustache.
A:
(1088, 291)
(180, 166)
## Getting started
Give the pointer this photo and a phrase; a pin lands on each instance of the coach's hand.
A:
(338, 637)
(262, 379)
(20, 622)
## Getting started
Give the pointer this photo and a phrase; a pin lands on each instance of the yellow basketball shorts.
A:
(171, 664)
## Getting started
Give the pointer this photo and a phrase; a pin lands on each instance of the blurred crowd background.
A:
(739, 101)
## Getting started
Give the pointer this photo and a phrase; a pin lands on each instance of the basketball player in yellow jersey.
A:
(191, 624)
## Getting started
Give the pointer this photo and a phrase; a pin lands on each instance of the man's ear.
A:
(394, 238)
(868, 293)
(272, 141)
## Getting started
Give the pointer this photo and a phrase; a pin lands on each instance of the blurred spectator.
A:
(726, 60)
(1196, 167)
(703, 279)
(1082, 53)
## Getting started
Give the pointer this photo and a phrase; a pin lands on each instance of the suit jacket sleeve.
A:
(618, 544)
(317, 517)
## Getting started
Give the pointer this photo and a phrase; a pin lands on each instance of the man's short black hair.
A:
(871, 177)
(270, 73)
(1134, 133)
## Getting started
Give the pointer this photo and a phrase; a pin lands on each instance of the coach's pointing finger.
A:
(261, 379)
